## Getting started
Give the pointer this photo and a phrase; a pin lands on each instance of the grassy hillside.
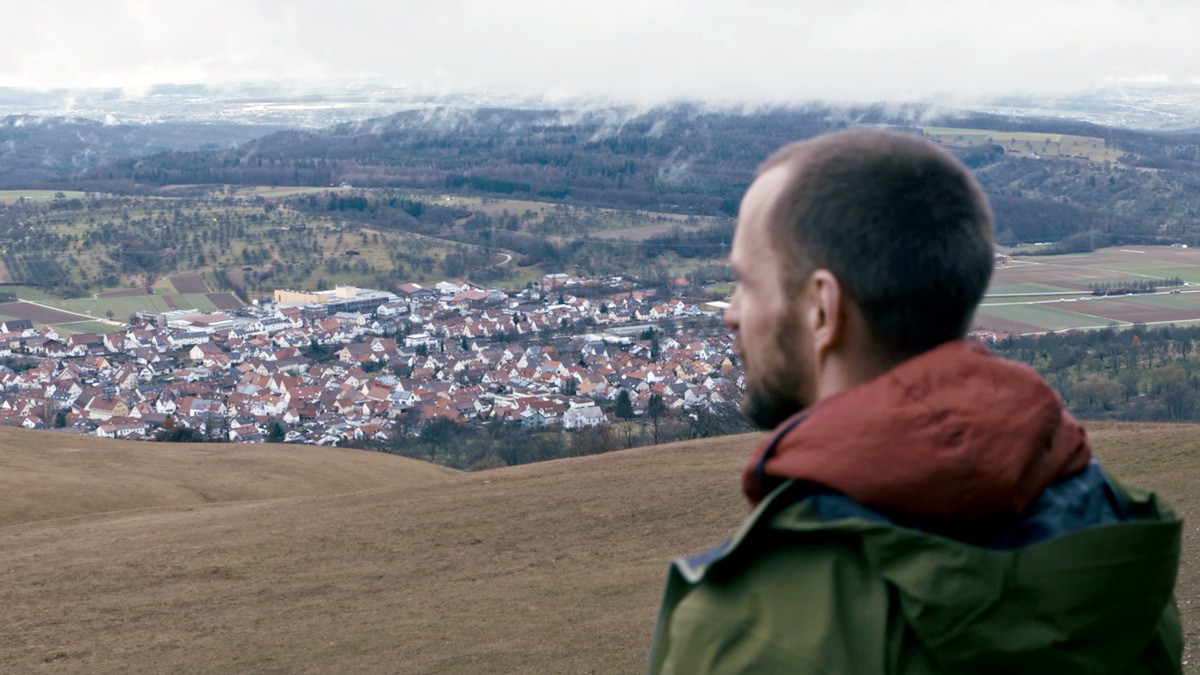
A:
(45, 476)
(555, 567)
(77, 247)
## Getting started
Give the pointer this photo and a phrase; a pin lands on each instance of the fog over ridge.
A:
(640, 51)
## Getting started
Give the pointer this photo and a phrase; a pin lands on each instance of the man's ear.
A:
(824, 313)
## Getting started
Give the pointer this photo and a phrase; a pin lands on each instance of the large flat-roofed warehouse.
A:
(340, 299)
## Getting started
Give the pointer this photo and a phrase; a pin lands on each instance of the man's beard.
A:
(765, 410)
(779, 391)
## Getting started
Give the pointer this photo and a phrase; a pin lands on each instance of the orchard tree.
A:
(656, 409)
(624, 412)
(624, 406)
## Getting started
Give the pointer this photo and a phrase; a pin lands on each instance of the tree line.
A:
(1139, 374)
(478, 445)
(1133, 286)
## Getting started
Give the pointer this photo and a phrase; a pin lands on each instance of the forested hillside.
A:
(36, 150)
(689, 159)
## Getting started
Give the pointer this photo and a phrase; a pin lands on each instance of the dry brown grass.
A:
(549, 568)
(46, 475)
(1165, 458)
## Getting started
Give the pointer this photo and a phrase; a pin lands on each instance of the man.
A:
(921, 507)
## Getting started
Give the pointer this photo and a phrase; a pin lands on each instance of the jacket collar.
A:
(952, 433)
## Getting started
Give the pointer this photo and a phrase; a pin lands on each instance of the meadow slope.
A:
(547, 568)
(50, 475)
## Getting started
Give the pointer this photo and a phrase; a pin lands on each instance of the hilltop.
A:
(47, 476)
(551, 567)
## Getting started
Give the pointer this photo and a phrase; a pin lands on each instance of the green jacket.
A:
(795, 592)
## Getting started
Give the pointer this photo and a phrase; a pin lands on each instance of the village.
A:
(351, 364)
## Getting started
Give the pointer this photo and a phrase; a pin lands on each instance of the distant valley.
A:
(530, 262)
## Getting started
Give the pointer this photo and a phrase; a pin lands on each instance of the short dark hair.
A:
(903, 226)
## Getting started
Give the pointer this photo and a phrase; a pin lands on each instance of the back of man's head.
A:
(902, 225)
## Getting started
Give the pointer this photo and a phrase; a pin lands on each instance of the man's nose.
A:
(730, 315)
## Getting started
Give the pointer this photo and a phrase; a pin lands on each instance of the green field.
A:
(1045, 317)
(1182, 301)
(1012, 289)
(29, 293)
(13, 196)
(1070, 277)
(1159, 268)
(979, 135)
(279, 192)
(726, 288)
(1030, 144)
(65, 329)
(123, 307)
(1033, 299)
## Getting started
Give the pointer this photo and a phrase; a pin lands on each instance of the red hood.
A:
(953, 433)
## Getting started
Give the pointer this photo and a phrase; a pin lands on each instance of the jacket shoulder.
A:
(776, 598)
(746, 620)
(734, 609)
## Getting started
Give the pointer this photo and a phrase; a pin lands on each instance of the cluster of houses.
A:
(353, 364)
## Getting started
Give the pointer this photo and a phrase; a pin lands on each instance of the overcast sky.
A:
(640, 50)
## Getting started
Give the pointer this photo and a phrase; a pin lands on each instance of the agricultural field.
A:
(122, 307)
(40, 315)
(90, 315)
(1028, 144)
(27, 292)
(1050, 293)
(278, 192)
(13, 196)
(493, 206)
(95, 327)
(642, 232)
(188, 283)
